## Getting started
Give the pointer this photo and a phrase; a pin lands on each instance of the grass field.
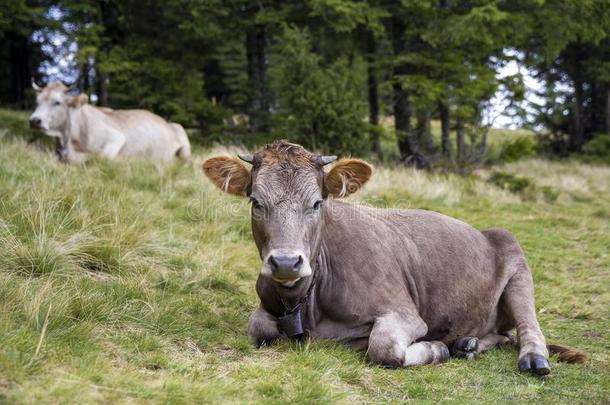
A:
(123, 284)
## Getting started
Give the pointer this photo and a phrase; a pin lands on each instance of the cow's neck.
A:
(73, 127)
(70, 133)
(296, 303)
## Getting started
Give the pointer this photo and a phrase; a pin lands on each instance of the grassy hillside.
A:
(120, 283)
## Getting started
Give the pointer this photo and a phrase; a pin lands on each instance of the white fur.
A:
(86, 130)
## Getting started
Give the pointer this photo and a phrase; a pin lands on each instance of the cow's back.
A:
(146, 134)
(388, 259)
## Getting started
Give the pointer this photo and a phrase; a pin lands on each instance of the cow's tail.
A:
(184, 153)
(184, 146)
(567, 354)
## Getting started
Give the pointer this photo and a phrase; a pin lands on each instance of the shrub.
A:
(318, 106)
(510, 182)
(550, 193)
(524, 186)
(597, 150)
(519, 148)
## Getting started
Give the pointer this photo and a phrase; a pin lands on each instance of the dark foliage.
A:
(232, 71)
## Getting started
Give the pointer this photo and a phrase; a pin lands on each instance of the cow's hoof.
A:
(534, 363)
(465, 347)
(444, 354)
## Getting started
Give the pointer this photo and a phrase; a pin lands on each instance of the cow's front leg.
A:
(112, 149)
(262, 328)
(65, 152)
(113, 143)
(392, 338)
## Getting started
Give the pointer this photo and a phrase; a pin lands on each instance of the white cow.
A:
(84, 129)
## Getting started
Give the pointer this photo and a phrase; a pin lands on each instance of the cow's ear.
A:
(228, 174)
(347, 176)
(78, 101)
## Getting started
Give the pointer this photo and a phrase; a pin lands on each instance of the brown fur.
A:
(567, 354)
(347, 176)
(402, 284)
(78, 101)
(282, 150)
(228, 174)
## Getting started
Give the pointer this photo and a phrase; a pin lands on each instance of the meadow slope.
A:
(119, 283)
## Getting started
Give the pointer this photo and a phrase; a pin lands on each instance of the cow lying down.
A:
(410, 286)
(84, 130)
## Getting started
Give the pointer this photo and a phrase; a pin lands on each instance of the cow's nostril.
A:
(274, 264)
(285, 263)
(35, 122)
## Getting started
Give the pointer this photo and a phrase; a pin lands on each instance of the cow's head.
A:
(53, 102)
(287, 187)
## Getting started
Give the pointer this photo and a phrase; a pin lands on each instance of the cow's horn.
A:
(246, 158)
(35, 86)
(324, 160)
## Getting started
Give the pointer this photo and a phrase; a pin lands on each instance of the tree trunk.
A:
(482, 146)
(20, 73)
(577, 136)
(256, 48)
(85, 83)
(608, 109)
(443, 109)
(114, 35)
(402, 105)
(460, 141)
(373, 95)
(402, 118)
(102, 88)
(423, 131)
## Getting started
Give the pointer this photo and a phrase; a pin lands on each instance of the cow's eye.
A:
(255, 203)
(317, 205)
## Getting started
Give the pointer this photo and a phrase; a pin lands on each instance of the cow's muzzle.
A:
(35, 123)
(286, 267)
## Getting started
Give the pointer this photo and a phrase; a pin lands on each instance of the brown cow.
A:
(406, 285)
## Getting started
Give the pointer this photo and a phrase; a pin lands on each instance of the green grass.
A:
(123, 284)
